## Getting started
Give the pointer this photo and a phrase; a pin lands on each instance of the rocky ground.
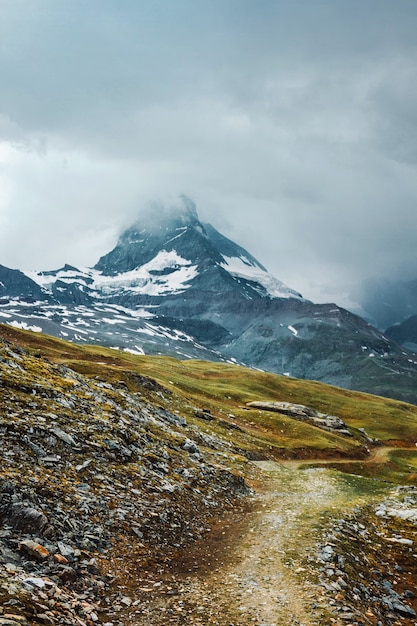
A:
(369, 565)
(308, 553)
(94, 477)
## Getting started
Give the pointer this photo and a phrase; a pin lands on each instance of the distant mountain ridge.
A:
(392, 306)
(387, 302)
(173, 285)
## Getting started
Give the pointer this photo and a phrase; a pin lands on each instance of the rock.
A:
(204, 414)
(139, 486)
(405, 542)
(51, 459)
(286, 408)
(190, 446)
(35, 582)
(332, 422)
(375, 547)
(327, 553)
(23, 517)
(40, 452)
(82, 466)
(65, 437)
(66, 550)
(306, 414)
(396, 605)
(59, 558)
(345, 431)
(403, 609)
(65, 573)
(46, 619)
(39, 552)
(169, 417)
(7, 487)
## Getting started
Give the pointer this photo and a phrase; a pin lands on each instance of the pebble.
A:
(36, 582)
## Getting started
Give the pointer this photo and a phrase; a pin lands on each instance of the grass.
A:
(225, 389)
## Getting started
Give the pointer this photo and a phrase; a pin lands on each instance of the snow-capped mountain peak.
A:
(165, 261)
(163, 234)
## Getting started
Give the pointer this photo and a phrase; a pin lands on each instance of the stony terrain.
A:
(91, 473)
(316, 548)
(369, 565)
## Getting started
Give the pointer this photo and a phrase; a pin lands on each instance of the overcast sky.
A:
(291, 123)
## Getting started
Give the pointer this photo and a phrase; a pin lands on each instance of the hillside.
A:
(224, 390)
(91, 470)
(115, 465)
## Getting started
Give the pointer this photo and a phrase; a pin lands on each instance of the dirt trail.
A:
(265, 576)
(378, 454)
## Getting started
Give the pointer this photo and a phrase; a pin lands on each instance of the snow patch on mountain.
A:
(167, 272)
(242, 267)
(25, 326)
(47, 279)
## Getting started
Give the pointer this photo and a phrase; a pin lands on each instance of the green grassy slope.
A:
(224, 390)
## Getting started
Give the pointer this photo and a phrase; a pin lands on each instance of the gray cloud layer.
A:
(292, 125)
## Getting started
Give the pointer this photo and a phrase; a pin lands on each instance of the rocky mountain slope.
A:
(94, 475)
(175, 286)
(119, 472)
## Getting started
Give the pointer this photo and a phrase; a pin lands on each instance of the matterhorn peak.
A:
(160, 217)
(154, 230)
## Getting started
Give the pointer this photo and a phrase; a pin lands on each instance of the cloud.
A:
(290, 124)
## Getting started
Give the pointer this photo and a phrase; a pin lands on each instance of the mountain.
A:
(386, 302)
(392, 306)
(405, 333)
(14, 283)
(173, 285)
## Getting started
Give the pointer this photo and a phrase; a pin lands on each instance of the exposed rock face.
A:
(14, 283)
(173, 285)
(303, 413)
